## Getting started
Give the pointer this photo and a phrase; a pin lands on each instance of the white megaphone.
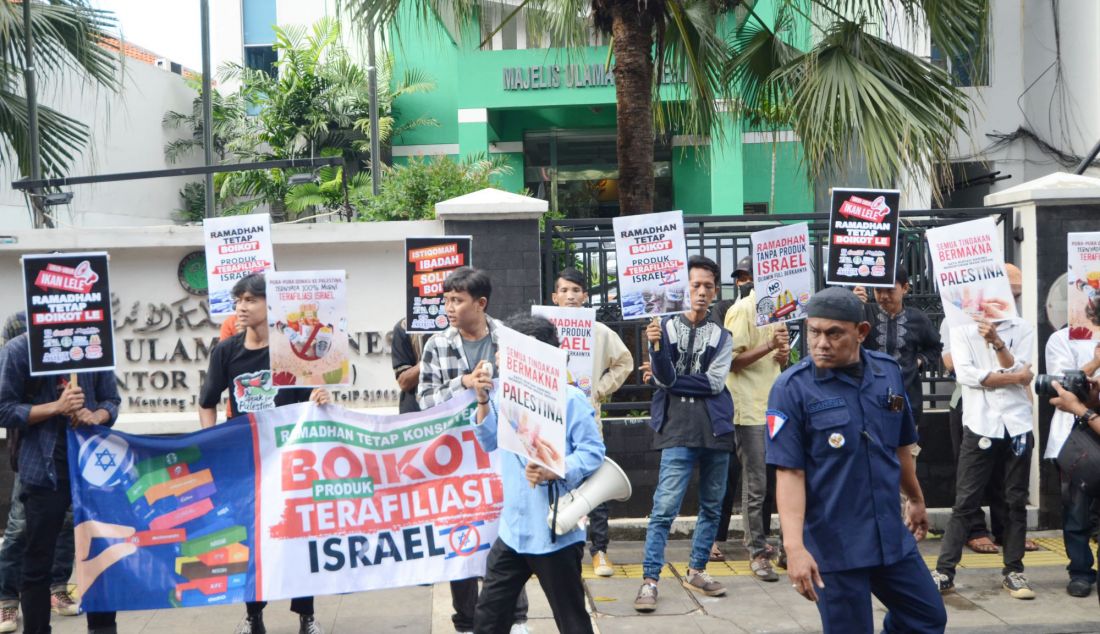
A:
(609, 482)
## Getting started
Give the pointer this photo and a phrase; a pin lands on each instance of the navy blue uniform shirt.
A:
(844, 433)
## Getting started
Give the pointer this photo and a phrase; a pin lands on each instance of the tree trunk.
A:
(633, 48)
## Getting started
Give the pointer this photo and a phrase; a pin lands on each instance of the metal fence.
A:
(589, 245)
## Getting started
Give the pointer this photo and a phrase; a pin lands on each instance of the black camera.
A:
(1073, 381)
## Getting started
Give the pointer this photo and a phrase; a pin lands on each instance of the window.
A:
(519, 32)
(755, 208)
(261, 58)
(970, 68)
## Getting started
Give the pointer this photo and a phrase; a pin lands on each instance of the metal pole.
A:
(207, 107)
(372, 85)
(32, 115)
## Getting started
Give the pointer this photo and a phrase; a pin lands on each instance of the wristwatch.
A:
(1084, 419)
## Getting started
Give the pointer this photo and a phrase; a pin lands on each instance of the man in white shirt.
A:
(993, 366)
(1062, 355)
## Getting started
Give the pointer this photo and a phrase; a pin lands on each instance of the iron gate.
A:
(589, 245)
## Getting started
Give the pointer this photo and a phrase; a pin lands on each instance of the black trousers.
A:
(733, 492)
(464, 601)
(45, 510)
(300, 605)
(994, 495)
(559, 574)
(599, 533)
(976, 470)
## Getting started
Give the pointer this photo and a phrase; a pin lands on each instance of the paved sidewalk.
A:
(979, 605)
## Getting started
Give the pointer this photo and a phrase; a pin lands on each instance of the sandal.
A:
(1030, 545)
(716, 554)
(982, 546)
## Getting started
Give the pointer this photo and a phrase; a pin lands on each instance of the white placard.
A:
(532, 400)
(236, 246)
(651, 259)
(781, 273)
(577, 335)
(968, 264)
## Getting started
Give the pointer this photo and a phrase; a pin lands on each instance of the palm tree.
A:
(847, 89)
(68, 37)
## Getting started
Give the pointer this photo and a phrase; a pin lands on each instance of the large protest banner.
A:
(1084, 285)
(781, 273)
(863, 237)
(651, 263)
(295, 501)
(236, 246)
(968, 265)
(69, 320)
(429, 261)
(307, 320)
(532, 399)
(577, 336)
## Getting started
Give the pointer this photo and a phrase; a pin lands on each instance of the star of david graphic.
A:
(105, 459)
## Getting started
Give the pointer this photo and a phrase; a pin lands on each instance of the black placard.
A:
(863, 237)
(428, 261)
(68, 313)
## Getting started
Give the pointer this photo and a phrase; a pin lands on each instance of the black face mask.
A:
(744, 290)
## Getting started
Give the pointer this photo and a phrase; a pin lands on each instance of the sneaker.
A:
(252, 625)
(601, 565)
(9, 618)
(519, 628)
(1077, 588)
(646, 601)
(703, 583)
(309, 625)
(762, 568)
(943, 583)
(1017, 586)
(61, 602)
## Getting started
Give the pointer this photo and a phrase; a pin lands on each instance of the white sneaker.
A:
(9, 619)
(519, 628)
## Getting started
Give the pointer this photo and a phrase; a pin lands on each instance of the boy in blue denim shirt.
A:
(525, 543)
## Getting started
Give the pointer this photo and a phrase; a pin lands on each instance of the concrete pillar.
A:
(1045, 210)
(505, 230)
(727, 192)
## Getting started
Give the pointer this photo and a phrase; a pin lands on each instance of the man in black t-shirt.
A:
(241, 364)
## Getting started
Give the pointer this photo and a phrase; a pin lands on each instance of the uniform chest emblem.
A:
(836, 440)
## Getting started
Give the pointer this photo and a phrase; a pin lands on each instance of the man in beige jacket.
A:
(612, 365)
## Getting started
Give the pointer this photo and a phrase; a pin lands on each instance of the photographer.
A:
(1066, 355)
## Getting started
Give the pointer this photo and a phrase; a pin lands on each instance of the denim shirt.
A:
(36, 465)
(523, 524)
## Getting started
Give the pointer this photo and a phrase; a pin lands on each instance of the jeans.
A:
(464, 597)
(11, 553)
(677, 464)
(506, 573)
(598, 530)
(733, 478)
(1077, 526)
(754, 487)
(45, 510)
(976, 469)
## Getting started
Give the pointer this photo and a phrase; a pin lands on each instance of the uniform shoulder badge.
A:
(775, 420)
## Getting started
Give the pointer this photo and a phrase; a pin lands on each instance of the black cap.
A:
(744, 265)
(836, 302)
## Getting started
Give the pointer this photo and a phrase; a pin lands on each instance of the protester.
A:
(525, 545)
(42, 409)
(611, 365)
(1063, 354)
(14, 542)
(241, 365)
(447, 368)
(759, 355)
(993, 366)
(692, 415)
(840, 434)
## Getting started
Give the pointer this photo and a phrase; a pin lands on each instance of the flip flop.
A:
(1030, 545)
(716, 555)
(983, 546)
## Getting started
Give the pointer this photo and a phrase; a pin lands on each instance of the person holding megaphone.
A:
(526, 544)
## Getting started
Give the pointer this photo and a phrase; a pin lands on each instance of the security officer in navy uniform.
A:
(840, 433)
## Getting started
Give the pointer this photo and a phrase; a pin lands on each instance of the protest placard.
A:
(1083, 296)
(863, 236)
(428, 262)
(69, 321)
(532, 399)
(307, 323)
(577, 335)
(781, 273)
(288, 502)
(968, 265)
(236, 247)
(651, 264)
